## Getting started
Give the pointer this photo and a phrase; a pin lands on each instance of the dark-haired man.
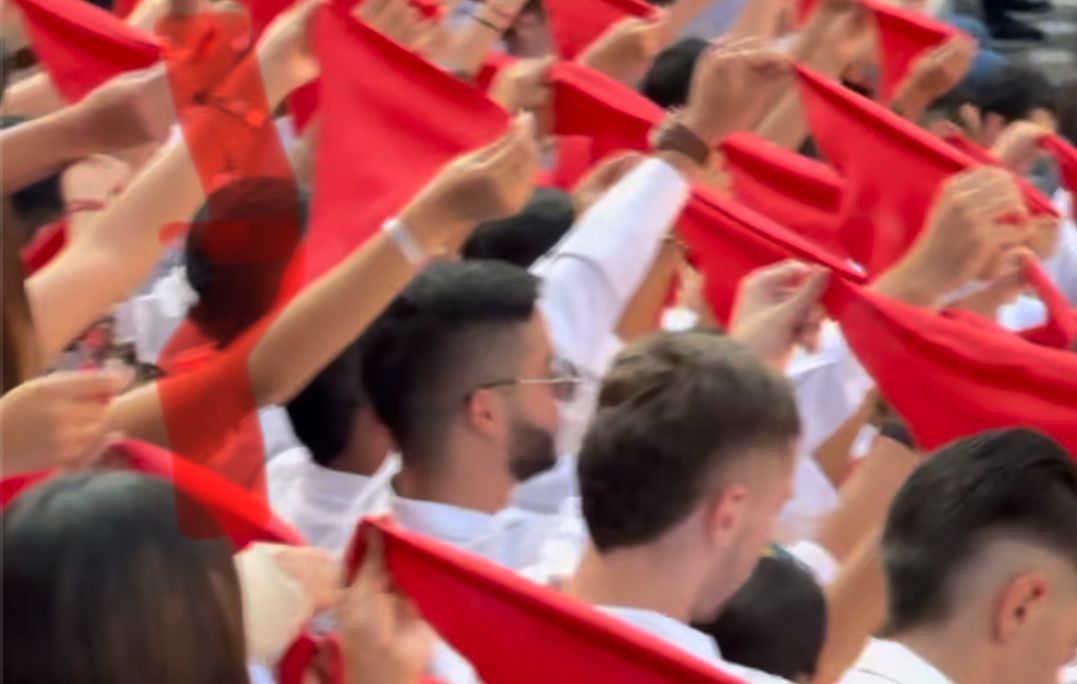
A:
(980, 554)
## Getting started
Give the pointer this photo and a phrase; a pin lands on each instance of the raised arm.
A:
(115, 252)
(275, 362)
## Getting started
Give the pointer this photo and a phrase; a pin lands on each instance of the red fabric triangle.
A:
(498, 620)
(244, 517)
(1066, 156)
(904, 35)
(1060, 330)
(82, 45)
(591, 104)
(728, 240)
(892, 169)
(949, 379)
(789, 188)
(577, 23)
(382, 138)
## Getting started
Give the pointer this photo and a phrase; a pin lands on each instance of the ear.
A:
(726, 513)
(1018, 603)
(486, 412)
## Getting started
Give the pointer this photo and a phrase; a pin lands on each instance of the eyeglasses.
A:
(563, 380)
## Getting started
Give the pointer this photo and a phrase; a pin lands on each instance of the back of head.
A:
(675, 412)
(456, 325)
(1013, 92)
(669, 79)
(240, 245)
(525, 237)
(323, 414)
(776, 622)
(1008, 485)
(101, 586)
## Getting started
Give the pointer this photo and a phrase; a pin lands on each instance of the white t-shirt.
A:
(691, 640)
(324, 504)
(888, 662)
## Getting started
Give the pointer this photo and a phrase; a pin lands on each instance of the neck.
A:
(953, 650)
(644, 577)
(465, 476)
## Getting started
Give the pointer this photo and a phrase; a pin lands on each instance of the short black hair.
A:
(669, 80)
(239, 245)
(674, 412)
(323, 413)
(523, 238)
(1015, 483)
(454, 327)
(1014, 92)
(776, 622)
(41, 202)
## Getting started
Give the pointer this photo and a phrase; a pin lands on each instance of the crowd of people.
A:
(509, 341)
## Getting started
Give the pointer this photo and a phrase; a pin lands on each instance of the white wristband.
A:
(405, 242)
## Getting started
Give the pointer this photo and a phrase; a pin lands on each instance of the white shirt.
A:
(1062, 266)
(830, 385)
(691, 640)
(590, 276)
(324, 504)
(512, 538)
(888, 662)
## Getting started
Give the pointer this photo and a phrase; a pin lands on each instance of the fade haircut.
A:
(323, 414)
(674, 413)
(1015, 484)
(456, 326)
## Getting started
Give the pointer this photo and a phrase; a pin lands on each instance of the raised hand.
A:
(385, 639)
(1018, 146)
(57, 420)
(131, 110)
(488, 184)
(933, 75)
(778, 308)
(728, 84)
(626, 49)
(286, 51)
(979, 217)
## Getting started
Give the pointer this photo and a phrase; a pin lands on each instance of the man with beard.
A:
(461, 370)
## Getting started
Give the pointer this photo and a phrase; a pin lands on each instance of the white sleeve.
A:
(818, 560)
(591, 274)
(1062, 266)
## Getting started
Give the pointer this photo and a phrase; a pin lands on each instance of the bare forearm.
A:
(856, 608)
(34, 97)
(39, 148)
(469, 46)
(644, 309)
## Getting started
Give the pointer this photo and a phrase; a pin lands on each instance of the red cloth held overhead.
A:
(728, 240)
(575, 24)
(82, 46)
(591, 104)
(793, 190)
(904, 35)
(1066, 156)
(389, 121)
(514, 631)
(244, 517)
(949, 379)
(892, 169)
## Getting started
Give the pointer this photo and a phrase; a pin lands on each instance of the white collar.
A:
(451, 524)
(673, 631)
(896, 662)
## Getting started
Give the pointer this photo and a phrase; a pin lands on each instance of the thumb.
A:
(373, 575)
(808, 294)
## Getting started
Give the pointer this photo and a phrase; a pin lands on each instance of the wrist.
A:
(435, 231)
(700, 125)
(72, 130)
(911, 284)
